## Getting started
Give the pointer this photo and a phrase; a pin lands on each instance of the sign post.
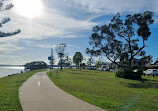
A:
(49, 58)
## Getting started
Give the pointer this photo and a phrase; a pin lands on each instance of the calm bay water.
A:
(5, 71)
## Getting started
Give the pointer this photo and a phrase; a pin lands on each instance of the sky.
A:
(46, 23)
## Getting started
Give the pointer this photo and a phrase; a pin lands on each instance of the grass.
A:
(105, 90)
(9, 100)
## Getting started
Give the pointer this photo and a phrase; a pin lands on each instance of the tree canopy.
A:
(60, 50)
(78, 58)
(6, 20)
(36, 65)
(90, 61)
(52, 60)
(122, 40)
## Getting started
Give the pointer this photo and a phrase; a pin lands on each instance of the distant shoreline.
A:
(11, 65)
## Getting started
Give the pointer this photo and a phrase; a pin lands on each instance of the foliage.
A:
(60, 50)
(36, 65)
(77, 59)
(67, 60)
(90, 61)
(105, 90)
(140, 71)
(83, 65)
(120, 39)
(52, 61)
(129, 74)
(98, 64)
(6, 20)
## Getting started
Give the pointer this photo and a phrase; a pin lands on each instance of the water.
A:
(7, 70)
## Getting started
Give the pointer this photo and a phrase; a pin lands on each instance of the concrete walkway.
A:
(39, 93)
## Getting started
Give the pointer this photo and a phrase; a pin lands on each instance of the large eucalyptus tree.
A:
(122, 39)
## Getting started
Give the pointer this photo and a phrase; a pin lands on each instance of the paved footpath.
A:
(39, 93)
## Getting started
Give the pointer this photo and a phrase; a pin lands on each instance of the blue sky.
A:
(45, 23)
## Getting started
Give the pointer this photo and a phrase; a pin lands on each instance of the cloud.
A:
(69, 18)
(114, 6)
(52, 23)
(7, 48)
(65, 19)
(44, 45)
(10, 56)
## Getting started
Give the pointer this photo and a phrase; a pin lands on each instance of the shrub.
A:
(140, 71)
(129, 74)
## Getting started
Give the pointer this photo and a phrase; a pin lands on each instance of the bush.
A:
(129, 74)
(140, 71)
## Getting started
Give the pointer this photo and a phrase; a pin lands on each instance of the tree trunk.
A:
(61, 66)
(130, 63)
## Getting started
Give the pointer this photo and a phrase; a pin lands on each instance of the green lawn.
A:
(105, 90)
(9, 100)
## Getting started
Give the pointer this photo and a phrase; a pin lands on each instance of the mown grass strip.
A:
(132, 102)
(105, 90)
(9, 99)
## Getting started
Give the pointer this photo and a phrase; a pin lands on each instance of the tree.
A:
(67, 60)
(120, 40)
(60, 50)
(90, 61)
(83, 65)
(98, 64)
(52, 61)
(36, 65)
(6, 20)
(77, 59)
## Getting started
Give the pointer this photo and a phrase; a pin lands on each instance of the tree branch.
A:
(115, 62)
(138, 51)
(2, 34)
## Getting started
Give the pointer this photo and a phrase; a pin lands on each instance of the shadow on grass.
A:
(144, 83)
(78, 73)
(92, 71)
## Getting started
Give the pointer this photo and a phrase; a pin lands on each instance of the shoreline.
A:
(9, 71)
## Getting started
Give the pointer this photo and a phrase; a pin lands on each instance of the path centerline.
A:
(39, 83)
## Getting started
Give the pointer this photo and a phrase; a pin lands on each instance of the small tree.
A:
(90, 61)
(60, 50)
(52, 61)
(98, 64)
(67, 60)
(77, 59)
(6, 20)
(120, 40)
